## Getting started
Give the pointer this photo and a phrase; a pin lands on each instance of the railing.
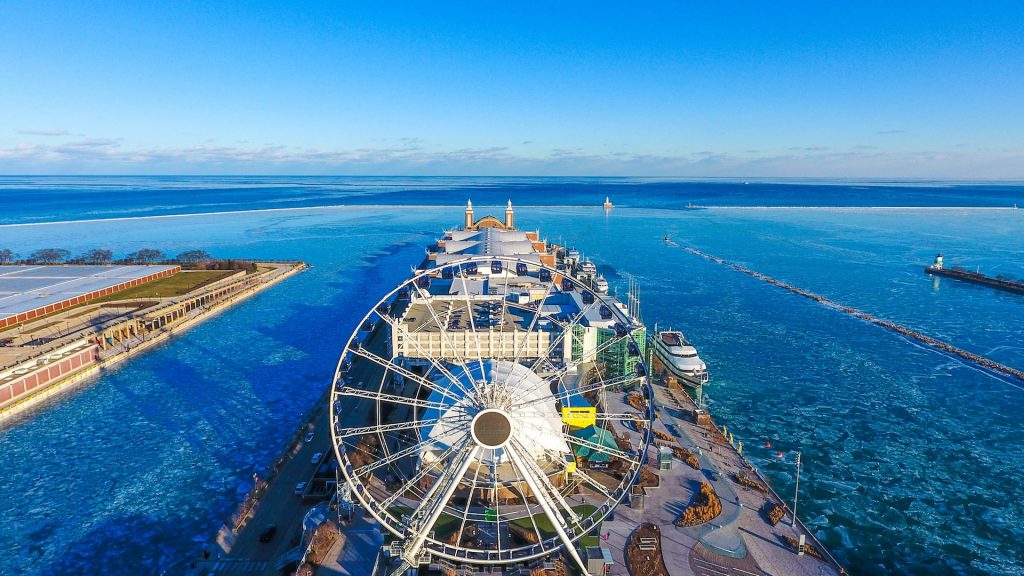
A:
(810, 535)
(803, 528)
(64, 340)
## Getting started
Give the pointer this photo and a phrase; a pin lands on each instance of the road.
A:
(279, 505)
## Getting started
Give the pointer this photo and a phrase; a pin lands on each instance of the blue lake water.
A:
(912, 459)
(53, 198)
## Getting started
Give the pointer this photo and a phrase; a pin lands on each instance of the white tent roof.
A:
(537, 426)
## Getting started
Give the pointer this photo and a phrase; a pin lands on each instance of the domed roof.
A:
(511, 389)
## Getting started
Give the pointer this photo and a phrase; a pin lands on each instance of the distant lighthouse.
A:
(607, 203)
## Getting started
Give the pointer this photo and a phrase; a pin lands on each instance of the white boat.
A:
(588, 268)
(600, 284)
(680, 357)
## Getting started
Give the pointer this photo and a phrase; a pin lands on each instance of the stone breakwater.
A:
(932, 342)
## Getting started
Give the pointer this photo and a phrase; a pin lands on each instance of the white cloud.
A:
(43, 132)
(409, 156)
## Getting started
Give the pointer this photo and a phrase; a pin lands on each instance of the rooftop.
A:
(486, 241)
(26, 288)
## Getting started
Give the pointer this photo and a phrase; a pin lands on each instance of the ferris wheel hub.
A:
(491, 428)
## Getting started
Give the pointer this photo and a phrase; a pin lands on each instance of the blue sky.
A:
(858, 89)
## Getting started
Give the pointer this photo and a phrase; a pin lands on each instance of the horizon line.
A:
(1017, 179)
(460, 206)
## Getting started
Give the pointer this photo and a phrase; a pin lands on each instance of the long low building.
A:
(28, 292)
(467, 308)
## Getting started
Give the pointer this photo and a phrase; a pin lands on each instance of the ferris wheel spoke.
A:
(546, 359)
(395, 399)
(556, 456)
(602, 384)
(425, 354)
(504, 312)
(409, 425)
(550, 488)
(533, 324)
(472, 322)
(619, 417)
(389, 365)
(423, 471)
(435, 500)
(442, 329)
(563, 393)
(557, 375)
(585, 357)
(394, 457)
(594, 484)
(497, 506)
(599, 448)
(556, 520)
(536, 529)
(397, 427)
(469, 504)
(567, 328)
(574, 363)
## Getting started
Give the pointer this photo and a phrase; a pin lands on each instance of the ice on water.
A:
(898, 441)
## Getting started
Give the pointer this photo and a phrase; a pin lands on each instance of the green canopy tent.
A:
(598, 436)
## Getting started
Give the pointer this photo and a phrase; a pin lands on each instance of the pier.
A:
(999, 283)
(43, 357)
(626, 473)
(939, 345)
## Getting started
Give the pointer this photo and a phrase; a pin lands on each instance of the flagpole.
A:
(796, 493)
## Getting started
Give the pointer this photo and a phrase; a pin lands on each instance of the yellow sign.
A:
(580, 417)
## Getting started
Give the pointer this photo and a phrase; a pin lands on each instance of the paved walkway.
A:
(739, 542)
(355, 552)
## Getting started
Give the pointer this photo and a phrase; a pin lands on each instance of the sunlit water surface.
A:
(912, 459)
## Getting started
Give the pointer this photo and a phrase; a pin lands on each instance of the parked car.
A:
(309, 437)
(300, 487)
(268, 533)
(318, 457)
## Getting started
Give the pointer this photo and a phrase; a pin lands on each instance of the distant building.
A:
(490, 221)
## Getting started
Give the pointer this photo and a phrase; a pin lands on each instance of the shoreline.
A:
(11, 412)
(728, 441)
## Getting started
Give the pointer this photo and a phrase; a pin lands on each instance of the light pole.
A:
(796, 493)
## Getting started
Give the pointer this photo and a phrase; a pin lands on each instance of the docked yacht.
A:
(600, 284)
(587, 268)
(680, 357)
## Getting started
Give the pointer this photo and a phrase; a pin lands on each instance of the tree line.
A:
(101, 256)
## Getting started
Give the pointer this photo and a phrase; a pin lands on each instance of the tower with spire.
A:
(510, 217)
(471, 223)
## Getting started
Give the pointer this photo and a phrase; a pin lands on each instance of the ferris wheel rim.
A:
(547, 545)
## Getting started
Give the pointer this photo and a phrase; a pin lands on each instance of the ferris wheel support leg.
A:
(435, 504)
(555, 518)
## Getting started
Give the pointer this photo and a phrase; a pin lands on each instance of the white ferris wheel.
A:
(473, 418)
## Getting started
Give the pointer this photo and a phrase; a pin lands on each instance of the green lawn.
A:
(445, 526)
(176, 285)
(547, 530)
